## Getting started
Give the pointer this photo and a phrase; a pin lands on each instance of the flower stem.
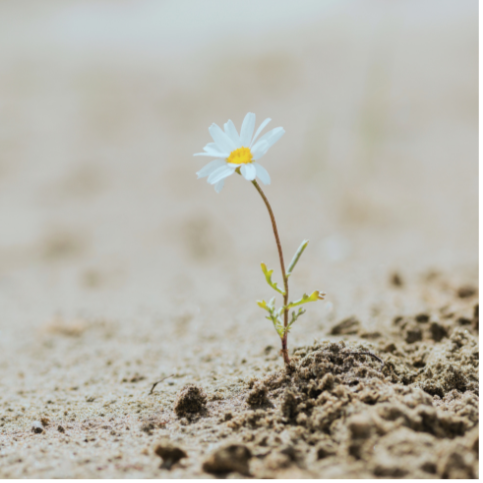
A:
(285, 356)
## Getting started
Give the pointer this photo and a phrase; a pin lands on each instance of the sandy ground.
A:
(119, 268)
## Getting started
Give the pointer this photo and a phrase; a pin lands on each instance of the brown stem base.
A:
(285, 356)
(284, 350)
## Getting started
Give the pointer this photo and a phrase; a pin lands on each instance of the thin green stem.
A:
(285, 355)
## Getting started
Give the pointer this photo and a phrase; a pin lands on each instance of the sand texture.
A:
(118, 268)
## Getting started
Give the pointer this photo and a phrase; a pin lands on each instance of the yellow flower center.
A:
(240, 156)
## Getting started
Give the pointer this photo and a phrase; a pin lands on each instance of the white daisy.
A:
(240, 152)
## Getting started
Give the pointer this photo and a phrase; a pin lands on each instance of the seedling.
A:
(239, 153)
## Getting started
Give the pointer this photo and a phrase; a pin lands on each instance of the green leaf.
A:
(268, 306)
(263, 305)
(313, 297)
(268, 277)
(296, 257)
(277, 324)
(295, 316)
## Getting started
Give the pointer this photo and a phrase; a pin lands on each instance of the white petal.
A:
(232, 133)
(266, 142)
(262, 173)
(213, 154)
(219, 185)
(210, 167)
(215, 150)
(248, 171)
(260, 129)
(224, 143)
(210, 146)
(247, 128)
(220, 173)
(261, 149)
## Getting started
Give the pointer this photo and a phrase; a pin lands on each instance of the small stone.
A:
(268, 348)
(228, 416)
(169, 453)
(422, 318)
(396, 280)
(228, 459)
(438, 331)
(391, 347)
(137, 378)
(190, 400)
(37, 427)
(466, 292)
(45, 421)
(413, 334)
(346, 327)
(148, 428)
(397, 320)
(370, 335)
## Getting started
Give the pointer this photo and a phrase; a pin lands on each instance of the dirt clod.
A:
(360, 426)
(325, 449)
(191, 400)
(228, 459)
(346, 327)
(466, 291)
(396, 279)
(45, 421)
(258, 396)
(413, 333)
(148, 427)
(169, 453)
(422, 318)
(438, 331)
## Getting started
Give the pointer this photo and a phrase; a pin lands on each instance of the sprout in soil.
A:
(239, 153)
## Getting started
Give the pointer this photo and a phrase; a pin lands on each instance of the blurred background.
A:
(104, 224)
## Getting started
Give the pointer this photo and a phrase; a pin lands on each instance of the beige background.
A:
(115, 260)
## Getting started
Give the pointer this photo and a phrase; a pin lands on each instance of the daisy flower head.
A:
(235, 152)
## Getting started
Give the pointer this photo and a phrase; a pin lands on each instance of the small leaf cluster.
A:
(277, 315)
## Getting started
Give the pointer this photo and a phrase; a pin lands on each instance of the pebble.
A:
(169, 453)
(37, 427)
(228, 459)
(438, 331)
(346, 327)
(466, 292)
(413, 334)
